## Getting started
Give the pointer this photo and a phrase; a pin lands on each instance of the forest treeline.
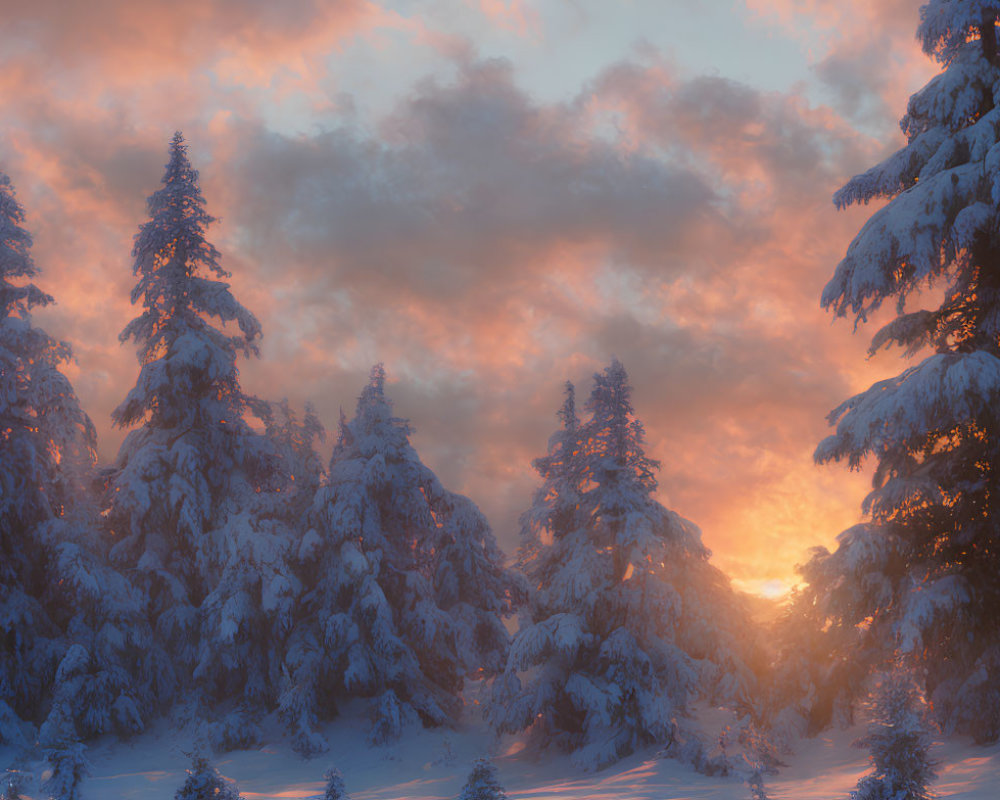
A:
(217, 571)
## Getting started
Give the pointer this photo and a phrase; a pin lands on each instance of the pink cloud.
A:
(484, 244)
(513, 15)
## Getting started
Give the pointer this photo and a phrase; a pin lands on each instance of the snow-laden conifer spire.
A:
(41, 422)
(203, 782)
(15, 257)
(614, 451)
(923, 572)
(556, 505)
(71, 626)
(898, 741)
(197, 500)
(189, 374)
(335, 788)
(605, 659)
(404, 585)
(482, 783)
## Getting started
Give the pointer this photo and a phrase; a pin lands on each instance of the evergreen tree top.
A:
(335, 789)
(37, 403)
(178, 222)
(943, 185)
(372, 398)
(567, 413)
(188, 364)
(171, 254)
(898, 741)
(205, 783)
(948, 26)
(15, 257)
(374, 426)
(613, 438)
(564, 444)
(483, 783)
(343, 434)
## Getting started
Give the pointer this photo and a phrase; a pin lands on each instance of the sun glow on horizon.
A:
(768, 588)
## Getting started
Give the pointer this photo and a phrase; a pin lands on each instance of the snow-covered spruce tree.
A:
(204, 782)
(71, 628)
(294, 443)
(483, 783)
(404, 587)
(69, 766)
(191, 499)
(628, 620)
(899, 743)
(251, 609)
(923, 571)
(555, 508)
(335, 789)
(30, 386)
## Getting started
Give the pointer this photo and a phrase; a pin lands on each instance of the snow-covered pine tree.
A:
(72, 633)
(335, 789)
(204, 782)
(40, 421)
(294, 443)
(404, 587)
(923, 571)
(251, 609)
(69, 766)
(190, 499)
(628, 619)
(471, 586)
(482, 783)
(899, 743)
(555, 508)
(29, 476)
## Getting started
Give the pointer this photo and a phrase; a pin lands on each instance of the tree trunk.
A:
(988, 36)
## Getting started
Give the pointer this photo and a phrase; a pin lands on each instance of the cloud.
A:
(122, 41)
(485, 244)
(462, 179)
(490, 246)
(865, 54)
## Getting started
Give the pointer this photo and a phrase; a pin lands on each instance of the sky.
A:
(492, 197)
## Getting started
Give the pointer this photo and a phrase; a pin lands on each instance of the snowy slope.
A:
(433, 765)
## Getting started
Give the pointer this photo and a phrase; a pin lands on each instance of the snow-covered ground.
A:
(433, 765)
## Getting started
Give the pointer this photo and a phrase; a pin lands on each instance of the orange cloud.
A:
(485, 245)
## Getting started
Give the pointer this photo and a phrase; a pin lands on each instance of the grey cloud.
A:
(858, 83)
(465, 180)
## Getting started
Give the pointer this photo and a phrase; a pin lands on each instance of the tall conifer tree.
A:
(555, 509)
(190, 500)
(628, 621)
(71, 629)
(404, 586)
(921, 576)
